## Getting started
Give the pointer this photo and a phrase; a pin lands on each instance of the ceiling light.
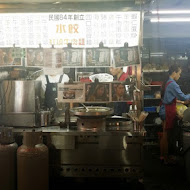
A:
(171, 12)
(157, 54)
(170, 20)
(57, 2)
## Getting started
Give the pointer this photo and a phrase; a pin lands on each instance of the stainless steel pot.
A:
(45, 118)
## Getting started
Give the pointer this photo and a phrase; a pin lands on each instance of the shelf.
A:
(154, 71)
(151, 143)
(153, 85)
(153, 80)
(151, 111)
(152, 98)
(151, 125)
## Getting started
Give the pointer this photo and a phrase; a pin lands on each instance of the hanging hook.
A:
(69, 45)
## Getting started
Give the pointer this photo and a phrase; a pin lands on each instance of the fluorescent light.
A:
(171, 12)
(170, 20)
(57, 2)
(157, 53)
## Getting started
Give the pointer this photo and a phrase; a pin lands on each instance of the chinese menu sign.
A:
(97, 57)
(72, 57)
(58, 29)
(11, 56)
(126, 56)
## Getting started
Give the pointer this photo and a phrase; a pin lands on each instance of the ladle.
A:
(87, 110)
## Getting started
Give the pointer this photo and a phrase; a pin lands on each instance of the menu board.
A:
(99, 57)
(70, 92)
(81, 29)
(35, 57)
(126, 56)
(53, 57)
(72, 57)
(11, 56)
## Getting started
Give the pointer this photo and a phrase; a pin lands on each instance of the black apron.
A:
(51, 93)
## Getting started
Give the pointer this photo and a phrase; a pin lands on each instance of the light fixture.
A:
(170, 19)
(57, 2)
(157, 54)
(171, 12)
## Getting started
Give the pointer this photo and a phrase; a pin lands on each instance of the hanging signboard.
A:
(53, 57)
(98, 57)
(35, 57)
(71, 92)
(72, 57)
(126, 56)
(11, 56)
(83, 29)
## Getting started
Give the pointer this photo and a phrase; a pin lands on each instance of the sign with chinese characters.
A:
(72, 57)
(98, 57)
(53, 57)
(35, 57)
(82, 29)
(11, 56)
(126, 56)
(71, 92)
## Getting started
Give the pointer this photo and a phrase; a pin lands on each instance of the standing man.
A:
(49, 87)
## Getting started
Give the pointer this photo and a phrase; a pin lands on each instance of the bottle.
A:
(32, 163)
(8, 149)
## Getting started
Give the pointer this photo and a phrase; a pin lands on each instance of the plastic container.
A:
(150, 109)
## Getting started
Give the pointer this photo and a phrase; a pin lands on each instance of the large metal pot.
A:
(20, 103)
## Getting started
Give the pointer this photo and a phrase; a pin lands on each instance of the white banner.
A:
(58, 29)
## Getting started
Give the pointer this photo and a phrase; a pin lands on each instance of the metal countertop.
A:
(65, 131)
